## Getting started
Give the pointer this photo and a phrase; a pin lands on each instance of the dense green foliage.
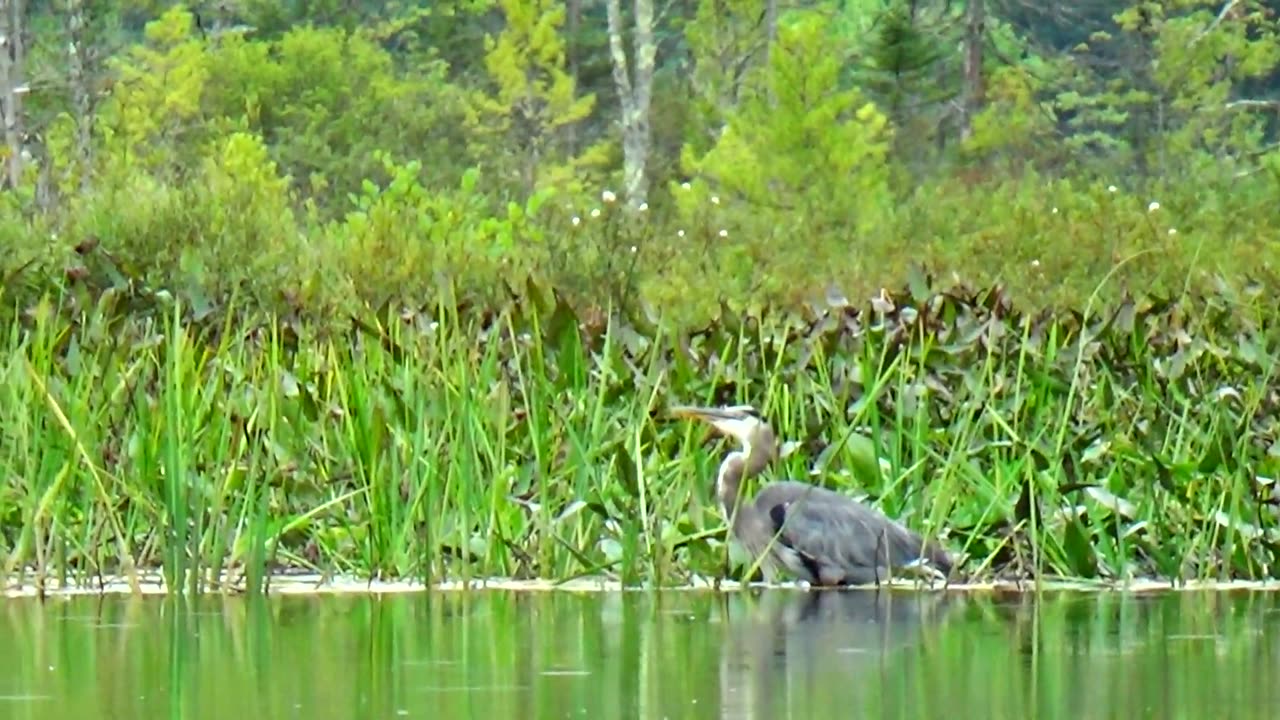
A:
(213, 204)
(1137, 441)
(350, 158)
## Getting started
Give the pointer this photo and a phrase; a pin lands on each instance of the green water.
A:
(779, 654)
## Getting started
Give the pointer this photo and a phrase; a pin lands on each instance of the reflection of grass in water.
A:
(680, 655)
(453, 448)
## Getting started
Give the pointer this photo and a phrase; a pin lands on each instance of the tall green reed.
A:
(444, 444)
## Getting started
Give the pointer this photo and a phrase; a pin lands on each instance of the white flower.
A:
(595, 212)
(685, 186)
(633, 248)
(1154, 206)
(576, 221)
(724, 233)
(1054, 211)
(715, 199)
(679, 233)
(1173, 231)
(608, 196)
(1035, 263)
(643, 206)
(1111, 188)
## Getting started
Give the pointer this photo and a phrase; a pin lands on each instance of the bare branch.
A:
(1226, 10)
(1253, 105)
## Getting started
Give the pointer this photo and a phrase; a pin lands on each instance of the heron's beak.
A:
(723, 421)
(697, 413)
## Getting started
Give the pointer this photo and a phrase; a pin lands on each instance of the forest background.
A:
(309, 155)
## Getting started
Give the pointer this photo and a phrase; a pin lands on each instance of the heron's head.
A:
(740, 422)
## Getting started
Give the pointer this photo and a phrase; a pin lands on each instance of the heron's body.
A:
(806, 531)
(827, 538)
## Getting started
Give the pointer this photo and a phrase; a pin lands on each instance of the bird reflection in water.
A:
(785, 651)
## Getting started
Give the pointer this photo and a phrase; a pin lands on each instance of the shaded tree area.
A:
(442, 134)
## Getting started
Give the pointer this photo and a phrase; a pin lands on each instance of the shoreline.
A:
(153, 585)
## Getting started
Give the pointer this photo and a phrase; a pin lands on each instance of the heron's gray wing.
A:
(837, 539)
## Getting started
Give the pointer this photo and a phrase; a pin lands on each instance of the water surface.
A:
(773, 654)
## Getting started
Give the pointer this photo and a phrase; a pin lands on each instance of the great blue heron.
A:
(812, 533)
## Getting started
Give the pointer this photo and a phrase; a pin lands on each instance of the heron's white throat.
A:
(737, 456)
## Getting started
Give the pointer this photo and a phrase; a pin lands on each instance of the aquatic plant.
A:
(525, 439)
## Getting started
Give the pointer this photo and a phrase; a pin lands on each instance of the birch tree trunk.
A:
(634, 79)
(81, 92)
(12, 86)
(974, 90)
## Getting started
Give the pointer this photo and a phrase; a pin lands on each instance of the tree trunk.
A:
(12, 86)
(635, 91)
(770, 28)
(974, 91)
(573, 25)
(81, 92)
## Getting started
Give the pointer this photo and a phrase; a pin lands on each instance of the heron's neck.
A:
(737, 466)
(729, 481)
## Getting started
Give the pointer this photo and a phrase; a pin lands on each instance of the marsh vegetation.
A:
(522, 443)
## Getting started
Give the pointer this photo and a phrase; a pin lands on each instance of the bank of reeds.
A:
(524, 440)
